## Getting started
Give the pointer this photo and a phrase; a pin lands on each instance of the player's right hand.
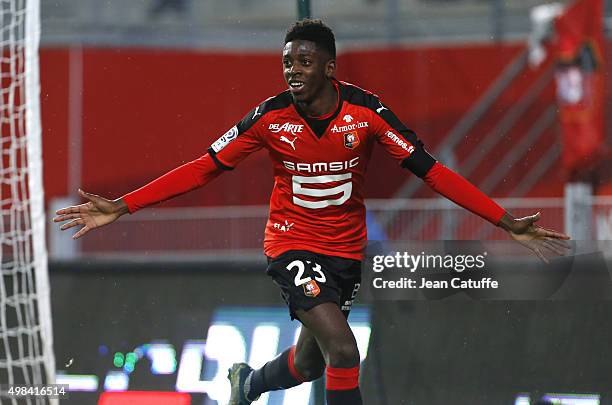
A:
(96, 212)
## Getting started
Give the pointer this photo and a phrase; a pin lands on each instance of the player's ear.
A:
(330, 68)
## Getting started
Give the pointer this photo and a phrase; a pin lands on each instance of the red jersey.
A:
(319, 169)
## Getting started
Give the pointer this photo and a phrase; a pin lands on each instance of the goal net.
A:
(26, 355)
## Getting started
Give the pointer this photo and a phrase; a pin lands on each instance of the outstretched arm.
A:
(403, 144)
(457, 189)
(224, 154)
(523, 230)
(99, 211)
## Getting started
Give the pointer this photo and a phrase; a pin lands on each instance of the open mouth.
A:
(296, 85)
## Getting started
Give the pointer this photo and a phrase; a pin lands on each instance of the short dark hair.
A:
(315, 31)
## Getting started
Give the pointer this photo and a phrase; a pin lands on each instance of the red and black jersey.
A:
(319, 170)
(319, 167)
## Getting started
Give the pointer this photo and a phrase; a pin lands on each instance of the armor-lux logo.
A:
(286, 127)
(350, 127)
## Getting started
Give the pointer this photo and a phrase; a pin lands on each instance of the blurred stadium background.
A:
(165, 299)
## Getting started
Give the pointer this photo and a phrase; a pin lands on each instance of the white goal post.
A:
(26, 337)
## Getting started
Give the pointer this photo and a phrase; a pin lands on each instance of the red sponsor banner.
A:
(580, 86)
(144, 398)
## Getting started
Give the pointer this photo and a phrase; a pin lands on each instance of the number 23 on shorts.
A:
(310, 286)
(301, 268)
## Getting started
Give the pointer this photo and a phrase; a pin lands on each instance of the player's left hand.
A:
(534, 237)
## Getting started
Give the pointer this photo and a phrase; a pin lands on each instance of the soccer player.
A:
(319, 134)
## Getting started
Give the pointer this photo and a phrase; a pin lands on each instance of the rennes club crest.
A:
(351, 140)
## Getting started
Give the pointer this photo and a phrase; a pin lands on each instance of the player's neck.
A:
(325, 104)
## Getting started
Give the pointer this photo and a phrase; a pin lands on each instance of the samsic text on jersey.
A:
(319, 167)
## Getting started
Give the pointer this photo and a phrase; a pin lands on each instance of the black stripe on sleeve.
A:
(215, 159)
(420, 161)
(277, 102)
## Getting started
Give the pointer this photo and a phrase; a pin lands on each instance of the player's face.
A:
(306, 69)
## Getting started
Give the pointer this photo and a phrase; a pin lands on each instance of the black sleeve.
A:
(398, 140)
(420, 161)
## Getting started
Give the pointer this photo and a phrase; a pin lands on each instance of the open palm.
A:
(96, 212)
(538, 239)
